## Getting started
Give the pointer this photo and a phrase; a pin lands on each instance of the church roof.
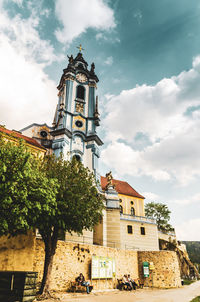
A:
(18, 135)
(122, 187)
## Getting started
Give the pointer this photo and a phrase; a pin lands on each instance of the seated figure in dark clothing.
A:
(81, 281)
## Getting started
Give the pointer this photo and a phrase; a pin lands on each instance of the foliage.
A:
(79, 206)
(23, 189)
(193, 249)
(197, 299)
(52, 195)
(188, 282)
(160, 213)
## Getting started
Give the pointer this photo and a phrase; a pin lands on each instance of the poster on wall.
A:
(103, 267)
(146, 269)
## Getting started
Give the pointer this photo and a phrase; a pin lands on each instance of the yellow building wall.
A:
(31, 148)
(138, 204)
(147, 242)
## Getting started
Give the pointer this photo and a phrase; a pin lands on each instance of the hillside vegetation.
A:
(193, 249)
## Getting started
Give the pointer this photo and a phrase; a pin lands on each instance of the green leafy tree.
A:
(160, 213)
(79, 206)
(52, 195)
(22, 188)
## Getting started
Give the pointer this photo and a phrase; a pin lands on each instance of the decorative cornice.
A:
(95, 138)
(60, 132)
(69, 77)
(92, 84)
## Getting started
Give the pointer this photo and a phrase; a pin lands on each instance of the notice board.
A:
(103, 267)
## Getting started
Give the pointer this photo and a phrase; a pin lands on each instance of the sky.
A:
(147, 58)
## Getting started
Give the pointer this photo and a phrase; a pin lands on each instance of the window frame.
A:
(129, 229)
(82, 92)
(142, 231)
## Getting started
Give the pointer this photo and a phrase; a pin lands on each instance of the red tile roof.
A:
(18, 135)
(122, 187)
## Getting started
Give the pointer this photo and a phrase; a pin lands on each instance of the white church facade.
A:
(74, 133)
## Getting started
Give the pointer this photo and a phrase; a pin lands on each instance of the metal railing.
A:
(169, 233)
(137, 218)
(89, 240)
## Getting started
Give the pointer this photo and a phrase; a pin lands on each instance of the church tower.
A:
(76, 117)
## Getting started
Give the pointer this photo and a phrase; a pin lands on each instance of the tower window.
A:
(80, 66)
(132, 211)
(79, 124)
(78, 158)
(142, 230)
(129, 229)
(43, 133)
(121, 209)
(80, 92)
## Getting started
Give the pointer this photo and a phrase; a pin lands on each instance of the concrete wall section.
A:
(166, 273)
(113, 228)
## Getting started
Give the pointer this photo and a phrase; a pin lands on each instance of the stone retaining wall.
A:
(166, 273)
(24, 253)
(17, 253)
(72, 259)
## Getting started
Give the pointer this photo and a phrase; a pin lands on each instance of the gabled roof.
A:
(122, 187)
(18, 135)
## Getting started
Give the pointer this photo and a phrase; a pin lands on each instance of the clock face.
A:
(81, 77)
(79, 124)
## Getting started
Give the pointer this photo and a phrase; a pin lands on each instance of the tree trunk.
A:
(50, 249)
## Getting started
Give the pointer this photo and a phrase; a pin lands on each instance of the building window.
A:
(120, 200)
(129, 229)
(132, 202)
(80, 94)
(78, 158)
(142, 229)
(121, 209)
(132, 211)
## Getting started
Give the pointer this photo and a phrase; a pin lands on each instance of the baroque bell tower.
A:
(76, 117)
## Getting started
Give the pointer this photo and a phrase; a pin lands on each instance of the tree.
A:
(52, 195)
(160, 213)
(22, 187)
(79, 206)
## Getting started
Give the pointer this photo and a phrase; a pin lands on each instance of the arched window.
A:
(78, 158)
(121, 209)
(132, 211)
(80, 94)
(80, 66)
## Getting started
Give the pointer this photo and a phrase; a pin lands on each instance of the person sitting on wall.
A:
(81, 281)
(132, 282)
(126, 282)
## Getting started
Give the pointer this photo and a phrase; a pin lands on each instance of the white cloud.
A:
(187, 201)
(18, 2)
(138, 16)
(100, 36)
(78, 15)
(27, 94)
(157, 113)
(150, 196)
(109, 61)
(188, 230)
